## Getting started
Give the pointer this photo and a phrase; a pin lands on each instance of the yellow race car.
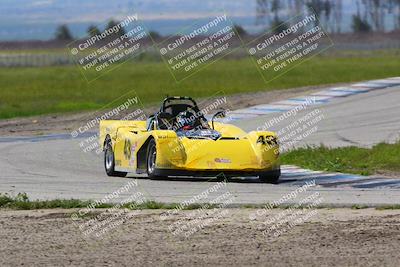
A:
(179, 141)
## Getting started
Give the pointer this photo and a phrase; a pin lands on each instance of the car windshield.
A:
(180, 114)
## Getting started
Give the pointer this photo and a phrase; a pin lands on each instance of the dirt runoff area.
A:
(236, 237)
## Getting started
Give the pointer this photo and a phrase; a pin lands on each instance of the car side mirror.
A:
(219, 114)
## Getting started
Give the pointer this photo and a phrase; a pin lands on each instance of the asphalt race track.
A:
(52, 167)
(361, 120)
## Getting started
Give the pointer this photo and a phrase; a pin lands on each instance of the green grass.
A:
(22, 202)
(359, 207)
(58, 51)
(35, 91)
(389, 207)
(382, 158)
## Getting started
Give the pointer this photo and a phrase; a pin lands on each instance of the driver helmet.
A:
(186, 120)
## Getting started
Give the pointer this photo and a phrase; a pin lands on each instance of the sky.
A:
(38, 19)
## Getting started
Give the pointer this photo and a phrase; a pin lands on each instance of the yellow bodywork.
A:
(236, 150)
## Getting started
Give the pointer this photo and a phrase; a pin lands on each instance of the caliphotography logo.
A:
(131, 109)
(103, 51)
(199, 45)
(201, 211)
(289, 44)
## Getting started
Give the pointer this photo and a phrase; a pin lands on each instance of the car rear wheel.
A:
(109, 162)
(151, 160)
(271, 177)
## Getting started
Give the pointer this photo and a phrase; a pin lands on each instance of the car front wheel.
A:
(270, 177)
(151, 160)
(109, 162)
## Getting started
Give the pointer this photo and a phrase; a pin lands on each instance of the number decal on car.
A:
(268, 139)
(127, 149)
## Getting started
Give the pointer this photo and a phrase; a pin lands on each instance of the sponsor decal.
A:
(133, 154)
(222, 160)
(127, 149)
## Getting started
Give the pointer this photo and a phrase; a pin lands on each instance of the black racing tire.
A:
(271, 177)
(151, 158)
(109, 162)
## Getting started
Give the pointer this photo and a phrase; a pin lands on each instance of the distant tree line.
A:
(63, 33)
(370, 15)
